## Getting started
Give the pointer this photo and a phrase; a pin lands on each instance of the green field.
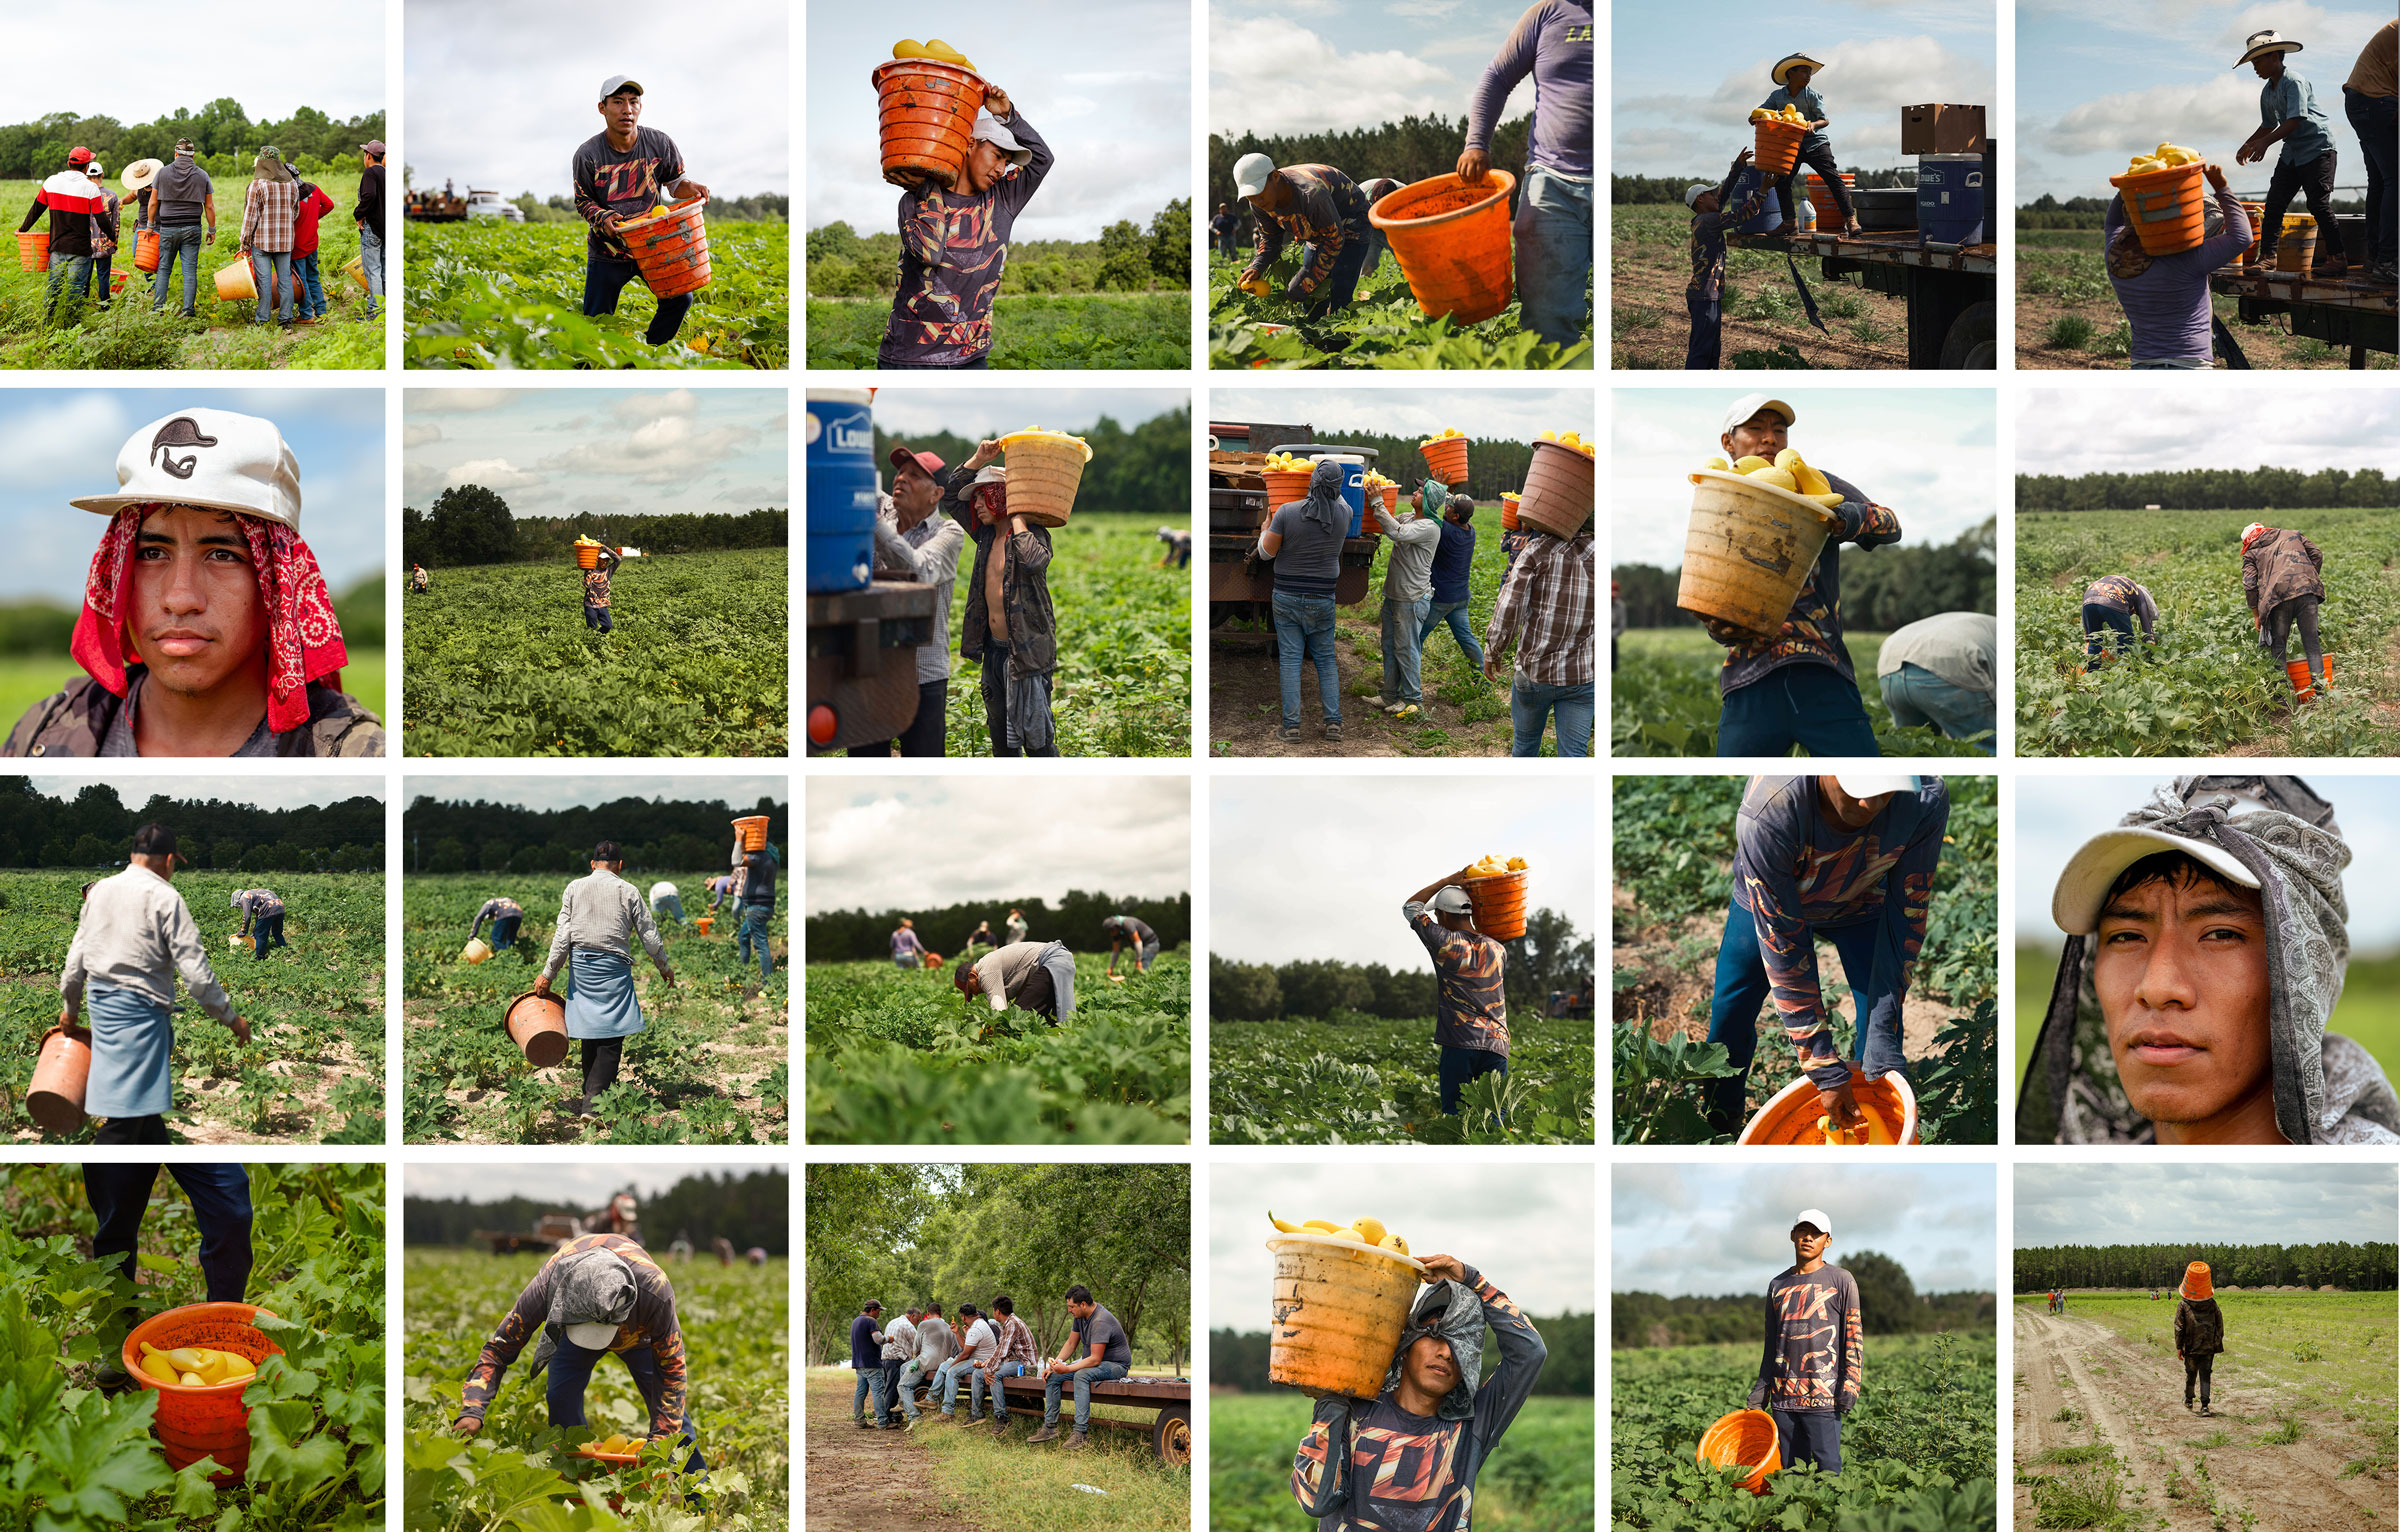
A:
(129, 336)
(499, 662)
(1384, 327)
(519, 1473)
(26, 679)
(2268, 1338)
(1367, 1080)
(1664, 699)
(1097, 330)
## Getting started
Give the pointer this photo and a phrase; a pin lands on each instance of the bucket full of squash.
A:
(1044, 470)
(1342, 1296)
(1497, 890)
(926, 98)
(670, 246)
(2166, 199)
(199, 1359)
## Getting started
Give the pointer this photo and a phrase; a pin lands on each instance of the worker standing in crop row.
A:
(599, 916)
(620, 174)
(1009, 630)
(756, 901)
(597, 613)
(120, 1196)
(954, 243)
(1552, 227)
(2283, 581)
(2289, 115)
(1323, 210)
(2111, 606)
(262, 914)
(2199, 1332)
(1407, 597)
(1470, 1014)
(1815, 1357)
(77, 210)
(2371, 100)
(1791, 76)
(1712, 215)
(915, 541)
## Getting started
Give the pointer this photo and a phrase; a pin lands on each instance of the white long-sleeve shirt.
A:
(602, 910)
(136, 933)
(928, 552)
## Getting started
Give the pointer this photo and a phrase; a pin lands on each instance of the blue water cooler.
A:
(840, 435)
(1951, 202)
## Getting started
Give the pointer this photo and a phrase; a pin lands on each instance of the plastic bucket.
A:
(2258, 221)
(1509, 504)
(145, 250)
(1499, 903)
(118, 276)
(1340, 1307)
(33, 250)
(1451, 240)
(1043, 474)
(475, 951)
(1770, 206)
(1778, 147)
(926, 112)
(1820, 197)
(356, 271)
(839, 431)
(1446, 459)
(704, 922)
(537, 1024)
(236, 285)
(1950, 199)
(1790, 1116)
(1558, 490)
(1748, 550)
(2166, 207)
(671, 248)
(62, 1068)
(1284, 486)
(209, 1421)
(753, 830)
(587, 556)
(1743, 1439)
(2296, 249)
(1354, 484)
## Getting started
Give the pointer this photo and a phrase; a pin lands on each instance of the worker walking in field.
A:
(915, 541)
(76, 210)
(620, 174)
(1552, 229)
(597, 582)
(1220, 231)
(1453, 569)
(1548, 611)
(1009, 628)
(1304, 538)
(2283, 580)
(666, 900)
(1407, 601)
(954, 243)
(2371, 100)
(1035, 977)
(2111, 605)
(599, 917)
(1713, 213)
(756, 900)
(120, 1196)
(1942, 672)
(1324, 211)
(505, 914)
(1792, 75)
(1123, 929)
(907, 950)
(2199, 1332)
(1815, 1358)
(262, 915)
(2168, 307)
(2289, 115)
(1470, 1015)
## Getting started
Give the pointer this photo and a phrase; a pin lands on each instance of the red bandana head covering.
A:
(304, 638)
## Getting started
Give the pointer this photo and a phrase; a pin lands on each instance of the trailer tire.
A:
(1171, 1436)
(1973, 341)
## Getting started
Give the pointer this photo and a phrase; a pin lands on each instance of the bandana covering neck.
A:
(304, 638)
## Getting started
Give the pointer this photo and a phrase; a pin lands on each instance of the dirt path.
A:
(866, 1481)
(1245, 698)
(1650, 326)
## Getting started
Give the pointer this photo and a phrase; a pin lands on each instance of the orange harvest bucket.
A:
(537, 1024)
(118, 276)
(208, 1421)
(1451, 240)
(1508, 511)
(33, 250)
(2258, 221)
(2167, 208)
(235, 284)
(1778, 148)
(61, 1071)
(1284, 486)
(1446, 459)
(1499, 902)
(1743, 1439)
(1558, 490)
(145, 250)
(1820, 197)
(753, 830)
(671, 248)
(1789, 1117)
(926, 114)
(704, 922)
(587, 556)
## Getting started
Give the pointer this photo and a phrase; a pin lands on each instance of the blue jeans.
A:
(949, 1375)
(1705, 350)
(1104, 1372)
(275, 265)
(73, 275)
(1532, 704)
(571, 1373)
(504, 932)
(604, 277)
(306, 286)
(1304, 627)
(2374, 118)
(1403, 650)
(2101, 620)
(757, 919)
(370, 255)
(269, 931)
(1553, 230)
(867, 1390)
(1459, 1065)
(100, 279)
(120, 1194)
(672, 907)
(1810, 705)
(598, 617)
(1462, 628)
(1809, 1436)
(1742, 988)
(1917, 697)
(174, 239)
(1341, 283)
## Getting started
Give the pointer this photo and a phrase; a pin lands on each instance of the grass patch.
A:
(2067, 1415)
(2087, 1496)
(2289, 1431)
(2089, 1452)
(2068, 332)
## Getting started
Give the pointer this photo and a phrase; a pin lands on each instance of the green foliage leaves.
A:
(1384, 327)
(1029, 329)
(1361, 1079)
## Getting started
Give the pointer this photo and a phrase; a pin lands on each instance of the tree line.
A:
(1888, 1304)
(2367, 1268)
(226, 140)
(1412, 149)
(656, 834)
(95, 829)
(1550, 956)
(1145, 471)
(902, 1234)
(843, 263)
(763, 207)
(2207, 489)
(1882, 588)
(470, 524)
(1237, 1359)
(1654, 189)
(750, 1209)
(859, 936)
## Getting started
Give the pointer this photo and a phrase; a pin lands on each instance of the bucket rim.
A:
(1588, 454)
(510, 1009)
(875, 76)
(1897, 1082)
(1312, 1237)
(129, 1352)
(1502, 184)
(674, 209)
(1823, 513)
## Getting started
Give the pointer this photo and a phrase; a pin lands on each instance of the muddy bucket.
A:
(145, 250)
(537, 1024)
(1748, 550)
(33, 250)
(235, 284)
(1451, 240)
(753, 830)
(2167, 208)
(1743, 1439)
(671, 248)
(1558, 490)
(1340, 1307)
(1777, 148)
(1446, 459)
(925, 112)
(1499, 903)
(61, 1070)
(1044, 470)
(2296, 249)
(1790, 1115)
(209, 1421)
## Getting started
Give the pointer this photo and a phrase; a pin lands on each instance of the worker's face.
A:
(622, 112)
(1796, 78)
(914, 494)
(1706, 204)
(2268, 65)
(1081, 1310)
(985, 161)
(197, 619)
(2181, 973)
(1762, 435)
(1809, 1243)
(1429, 1366)
(1848, 812)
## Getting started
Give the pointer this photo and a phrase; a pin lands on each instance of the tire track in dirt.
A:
(866, 1481)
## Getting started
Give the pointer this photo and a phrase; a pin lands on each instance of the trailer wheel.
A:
(1973, 341)
(1171, 1435)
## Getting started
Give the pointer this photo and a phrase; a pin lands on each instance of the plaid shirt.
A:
(268, 214)
(1549, 595)
(1016, 1342)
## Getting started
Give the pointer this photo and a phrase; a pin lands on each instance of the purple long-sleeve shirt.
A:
(1552, 42)
(2167, 306)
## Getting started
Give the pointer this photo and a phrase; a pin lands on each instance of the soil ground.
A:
(1649, 325)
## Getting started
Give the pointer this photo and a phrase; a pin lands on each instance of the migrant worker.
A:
(915, 541)
(120, 1196)
(368, 216)
(599, 916)
(1408, 1461)
(2207, 941)
(933, 1345)
(270, 209)
(981, 936)
(74, 208)
(134, 935)
(141, 179)
(899, 1344)
(1179, 547)
(1304, 538)
(1035, 977)
(1453, 566)
(907, 951)
(1124, 929)
(505, 914)
(1220, 231)
(2371, 100)
(262, 915)
(185, 200)
(1018, 930)
(104, 234)
(2283, 580)
(308, 286)
(974, 1348)
(1809, 1375)
(756, 900)
(418, 580)
(1552, 42)
(1470, 1013)
(954, 244)
(2111, 606)
(598, 614)
(1324, 211)
(1712, 214)
(667, 900)
(2199, 1331)
(1012, 1357)
(620, 174)
(1547, 612)
(1009, 629)
(2288, 114)
(1375, 191)
(1941, 672)
(1095, 1351)
(1791, 76)
(1850, 858)
(1407, 600)
(2166, 297)
(866, 1367)
(722, 887)
(235, 648)
(1796, 686)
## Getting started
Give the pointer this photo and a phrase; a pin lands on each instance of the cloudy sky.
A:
(881, 843)
(2122, 1203)
(60, 443)
(1521, 413)
(1682, 110)
(499, 96)
(2058, 430)
(1707, 1230)
(1109, 89)
(546, 793)
(1367, 843)
(260, 792)
(575, 1183)
(137, 81)
(1529, 1231)
(554, 452)
(1926, 453)
(2098, 84)
(996, 411)
(1307, 66)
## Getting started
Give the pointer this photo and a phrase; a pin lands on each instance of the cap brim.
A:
(1862, 784)
(2075, 902)
(109, 505)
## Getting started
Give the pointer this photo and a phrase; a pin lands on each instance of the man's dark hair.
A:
(608, 851)
(933, 1305)
(1079, 1294)
(154, 840)
(2176, 869)
(968, 1311)
(1004, 1305)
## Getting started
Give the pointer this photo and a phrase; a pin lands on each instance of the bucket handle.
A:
(672, 209)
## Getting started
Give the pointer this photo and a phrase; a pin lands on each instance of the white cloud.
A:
(1717, 1229)
(2058, 430)
(491, 473)
(2218, 111)
(1268, 75)
(1124, 835)
(65, 430)
(457, 401)
(1865, 83)
(2168, 1204)
(416, 433)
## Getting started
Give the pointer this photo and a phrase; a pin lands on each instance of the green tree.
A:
(472, 525)
(1887, 1296)
(1171, 243)
(1124, 257)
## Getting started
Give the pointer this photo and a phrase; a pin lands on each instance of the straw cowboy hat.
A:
(141, 173)
(2263, 42)
(213, 459)
(1783, 66)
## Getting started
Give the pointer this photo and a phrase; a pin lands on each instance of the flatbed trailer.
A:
(2364, 316)
(1952, 291)
(862, 661)
(1239, 590)
(1170, 1430)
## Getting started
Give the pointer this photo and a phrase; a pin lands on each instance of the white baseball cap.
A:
(618, 82)
(1691, 198)
(1867, 784)
(2075, 902)
(1815, 1218)
(214, 459)
(1250, 174)
(1750, 404)
(1452, 900)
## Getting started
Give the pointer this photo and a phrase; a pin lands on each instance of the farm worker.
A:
(620, 174)
(1131, 928)
(1796, 685)
(133, 936)
(1453, 563)
(981, 936)
(907, 951)
(1304, 537)
(2371, 100)
(505, 914)
(141, 179)
(1809, 1374)
(1552, 42)
(599, 916)
(974, 1349)
(1009, 628)
(1322, 209)
(236, 648)
(1407, 603)
(1470, 1013)
(2166, 297)
(1411, 1457)
(666, 900)
(1375, 191)
(2111, 604)
(1850, 858)
(2288, 114)
(1179, 547)
(934, 1343)
(954, 244)
(184, 198)
(1220, 231)
(309, 204)
(270, 210)
(104, 234)
(1703, 295)
(262, 911)
(1941, 672)
(1018, 930)
(2207, 943)
(120, 1196)
(597, 612)
(866, 1366)
(368, 216)
(1097, 1351)
(1547, 612)
(621, 1216)
(600, 1294)
(756, 900)
(75, 208)
(1012, 1357)
(2199, 1331)
(914, 541)
(1036, 977)
(418, 580)
(899, 1344)
(720, 887)
(1792, 74)
(2283, 580)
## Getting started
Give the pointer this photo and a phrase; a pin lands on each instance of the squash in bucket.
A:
(1452, 242)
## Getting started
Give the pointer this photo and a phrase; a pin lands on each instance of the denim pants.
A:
(1304, 627)
(890, 1397)
(1553, 229)
(175, 239)
(910, 1374)
(1104, 1372)
(101, 277)
(1814, 706)
(1461, 622)
(504, 932)
(997, 686)
(598, 617)
(2313, 183)
(1809, 1436)
(271, 273)
(220, 1195)
(604, 277)
(1532, 704)
(71, 274)
(269, 931)
(1341, 283)
(2374, 118)
(571, 1373)
(757, 920)
(370, 256)
(867, 1389)
(1403, 650)
(1742, 989)
(306, 286)
(2099, 620)
(1459, 1065)
(671, 906)
(950, 1375)
(1917, 697)
(1704, 351)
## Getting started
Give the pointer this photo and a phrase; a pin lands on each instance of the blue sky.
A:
(1522, 413)
(66, 58)
(1926, 453)
(1305, 66)
(1682, 110)
(881, 843)
(2097, 85)
(62, 442)
(1707, 1230)
(995, 411)
(2151, 428)
(553, 452)
(545, 794)
(2124, 1203)
(1109, 90)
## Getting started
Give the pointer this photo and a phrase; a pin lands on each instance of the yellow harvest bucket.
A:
(1044, 470)
(236, 285)
(1340, 1308)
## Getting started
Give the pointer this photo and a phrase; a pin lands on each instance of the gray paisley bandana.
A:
(1452, 1311)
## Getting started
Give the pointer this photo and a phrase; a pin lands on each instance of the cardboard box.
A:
(1941, 128)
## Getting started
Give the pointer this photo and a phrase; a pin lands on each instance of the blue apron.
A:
(132, 1036)
(602, 1003)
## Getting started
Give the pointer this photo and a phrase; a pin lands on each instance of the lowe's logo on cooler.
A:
(854, 435)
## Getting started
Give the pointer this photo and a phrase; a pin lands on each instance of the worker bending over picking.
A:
(1943, 672)
(2111, 604)
(1321, 208)
(1470, 1014)
(1808, 1378)
(262, 915)
(505, 914)
(2283, 580)
(1131, 928)
(1036, 978)
(599, 916)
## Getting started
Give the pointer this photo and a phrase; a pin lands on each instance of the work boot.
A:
(1289, 734)
(1000, 1427)
(2205, 1410)
(1048, 1433)
(2187, 1401)
(1333, 732)
(2296, 671)
(1079, 1441)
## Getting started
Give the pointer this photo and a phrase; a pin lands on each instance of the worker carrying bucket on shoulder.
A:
(1470, 1017)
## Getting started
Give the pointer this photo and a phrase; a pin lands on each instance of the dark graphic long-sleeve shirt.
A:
(1812, 634)
(613, 184)
(1377, 1468)
(1325, 211)
(1706, 244)
(256, 904)
(2120, 593)
(2281, 565)
(651, 1324)
(1797, 872)
(1814, 1358)
(495, 910)
(953, 252)
(1471, 1005)
(1552, 42)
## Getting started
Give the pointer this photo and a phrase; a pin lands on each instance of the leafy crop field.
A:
(1918, 1453)
(224, 335)
(1539, 1479)
(1384, 327)
(313, 1072)
(2206, 687)
(711, 1066)
(1099, 331)
(490, 294)
(1366, 1080)
(520, 1474)
(498, 660)
(1664, 700)
(895, 1057)
(1764, 324)
(83, 1461)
